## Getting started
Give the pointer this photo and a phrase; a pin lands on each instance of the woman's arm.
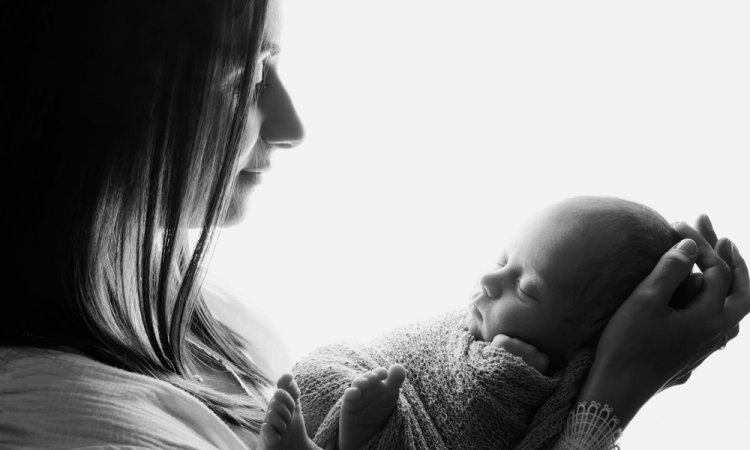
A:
(648, 345)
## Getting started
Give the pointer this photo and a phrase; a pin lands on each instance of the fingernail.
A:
(687, 246)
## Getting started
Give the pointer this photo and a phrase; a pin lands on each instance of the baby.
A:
(564, 275)
(499, 376)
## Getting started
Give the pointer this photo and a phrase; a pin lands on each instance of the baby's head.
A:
(567, 271)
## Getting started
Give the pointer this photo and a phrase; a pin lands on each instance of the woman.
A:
(126, 124)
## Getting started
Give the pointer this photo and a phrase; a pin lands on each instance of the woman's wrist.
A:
(591, 426)
(626, 391)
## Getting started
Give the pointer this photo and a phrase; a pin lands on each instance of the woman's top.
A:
(51, 398)
(54, 399)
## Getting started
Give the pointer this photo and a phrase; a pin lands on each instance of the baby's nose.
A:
(492, 284)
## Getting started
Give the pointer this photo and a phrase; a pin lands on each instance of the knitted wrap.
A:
(459, 393)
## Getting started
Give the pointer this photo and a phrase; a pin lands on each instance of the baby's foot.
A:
(284, 427)
(368, 404)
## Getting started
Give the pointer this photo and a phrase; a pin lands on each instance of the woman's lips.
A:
(256, 169)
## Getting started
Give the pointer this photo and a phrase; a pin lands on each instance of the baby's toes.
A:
(289, 384)
(276, 421)
(381, 373)
(282, 403)
(362, 383)
(396, 376)
(352, 394)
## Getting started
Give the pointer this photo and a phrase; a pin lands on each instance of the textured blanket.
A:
(459, 393)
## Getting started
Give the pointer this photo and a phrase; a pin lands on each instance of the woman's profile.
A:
(124, 125)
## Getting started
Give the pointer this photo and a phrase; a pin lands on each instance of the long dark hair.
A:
(119, 134)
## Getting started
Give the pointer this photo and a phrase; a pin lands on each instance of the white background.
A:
(434, 127)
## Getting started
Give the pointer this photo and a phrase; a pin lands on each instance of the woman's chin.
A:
(235, 211)
(246, 183)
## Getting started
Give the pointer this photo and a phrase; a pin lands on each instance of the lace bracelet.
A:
(592, 426)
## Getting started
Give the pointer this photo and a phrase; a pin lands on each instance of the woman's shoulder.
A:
(52, 398)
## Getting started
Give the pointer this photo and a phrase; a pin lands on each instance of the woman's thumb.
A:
(671, 270)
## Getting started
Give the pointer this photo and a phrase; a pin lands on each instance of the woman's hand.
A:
(649, 345)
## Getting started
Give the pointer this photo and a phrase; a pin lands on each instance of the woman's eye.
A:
(233, 81)
(259, 77)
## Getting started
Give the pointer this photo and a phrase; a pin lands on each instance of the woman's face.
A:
(272, 124)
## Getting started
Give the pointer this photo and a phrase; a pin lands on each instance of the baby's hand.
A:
(527, 352)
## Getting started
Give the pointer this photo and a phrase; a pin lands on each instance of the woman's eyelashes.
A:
(260, 77)
(233, 82)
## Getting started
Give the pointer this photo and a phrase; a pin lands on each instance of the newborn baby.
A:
(560, 280)
(505, 374)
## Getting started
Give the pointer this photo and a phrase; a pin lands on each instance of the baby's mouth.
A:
(477, 295)
(473, 305)
(475, 311)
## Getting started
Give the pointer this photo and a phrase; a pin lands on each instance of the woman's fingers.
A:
(706, 229)
(723, 249)
(671, 270)
(737, 304)
(717, 277)
(687, 290)
(726, 283)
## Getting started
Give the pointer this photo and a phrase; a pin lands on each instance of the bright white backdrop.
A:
(434, 126)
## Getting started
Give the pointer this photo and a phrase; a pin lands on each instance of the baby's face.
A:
(531, 293)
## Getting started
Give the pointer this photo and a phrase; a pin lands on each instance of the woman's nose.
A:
(281, 126)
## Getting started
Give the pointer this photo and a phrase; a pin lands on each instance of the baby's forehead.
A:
(560, 252)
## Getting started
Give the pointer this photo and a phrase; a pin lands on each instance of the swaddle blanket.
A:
(459, 393)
